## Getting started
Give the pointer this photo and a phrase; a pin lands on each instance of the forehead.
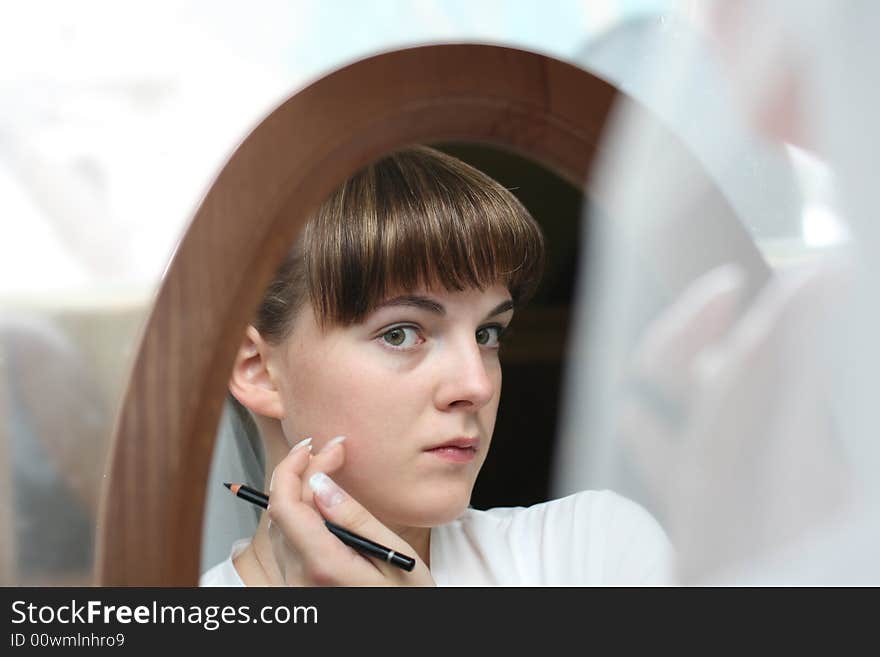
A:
(490, 295)
(473, 304)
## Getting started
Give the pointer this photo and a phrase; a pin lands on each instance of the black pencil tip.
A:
(229, 486)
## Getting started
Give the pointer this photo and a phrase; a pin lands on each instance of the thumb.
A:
(339, 507)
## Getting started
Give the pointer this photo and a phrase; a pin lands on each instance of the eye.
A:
(401, 337)
(490, 336)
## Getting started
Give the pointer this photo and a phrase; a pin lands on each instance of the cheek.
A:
(489, 412)
(350, 392)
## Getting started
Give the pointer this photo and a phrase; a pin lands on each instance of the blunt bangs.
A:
(416, 218)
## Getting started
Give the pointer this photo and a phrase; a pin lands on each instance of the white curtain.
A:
(744, 413)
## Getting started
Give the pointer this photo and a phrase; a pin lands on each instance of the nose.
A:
(467, 382)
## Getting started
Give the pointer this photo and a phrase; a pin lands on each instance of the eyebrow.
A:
(432, 306)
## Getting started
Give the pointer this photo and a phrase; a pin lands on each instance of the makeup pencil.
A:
(359, 543)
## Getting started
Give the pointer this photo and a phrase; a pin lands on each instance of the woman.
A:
(372, 374)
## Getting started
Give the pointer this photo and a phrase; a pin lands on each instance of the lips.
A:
(457, 450)
(461, 442)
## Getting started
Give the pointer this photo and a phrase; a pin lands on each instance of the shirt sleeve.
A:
(224, 573)
(591, 538)
(636, 550)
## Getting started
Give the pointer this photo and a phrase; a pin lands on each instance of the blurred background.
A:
(114, 119)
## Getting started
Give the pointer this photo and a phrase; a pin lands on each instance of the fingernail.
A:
(329, 444)
(303, 443)
(326, 489)
(272, 481)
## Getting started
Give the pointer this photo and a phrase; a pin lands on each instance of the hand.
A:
(729, 419)
(306, 552)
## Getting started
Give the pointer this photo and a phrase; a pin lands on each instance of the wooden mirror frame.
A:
(150, 521)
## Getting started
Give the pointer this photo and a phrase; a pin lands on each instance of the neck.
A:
(420, 540)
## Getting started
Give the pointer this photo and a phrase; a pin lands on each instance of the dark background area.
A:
(517, 470)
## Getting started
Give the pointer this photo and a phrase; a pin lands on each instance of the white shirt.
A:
(586, 539)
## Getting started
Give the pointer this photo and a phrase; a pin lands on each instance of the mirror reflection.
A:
(367, 390)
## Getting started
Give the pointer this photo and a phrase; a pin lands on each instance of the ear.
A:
(251, 381)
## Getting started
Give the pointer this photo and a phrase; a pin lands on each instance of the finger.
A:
(318, 558)
(288, 560)
(650, 444)
(762, 381)
(296, 461)
(330, 457)
(324, 559)
(700, 316)
(703, 313)
(340, 508)
(662, 378)
(785, 319)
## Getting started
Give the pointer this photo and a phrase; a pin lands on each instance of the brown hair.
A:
(417, 217)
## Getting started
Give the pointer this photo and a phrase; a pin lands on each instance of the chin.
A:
(424, 509)
(430, 511)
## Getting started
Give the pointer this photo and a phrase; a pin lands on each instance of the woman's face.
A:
(422, 370)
